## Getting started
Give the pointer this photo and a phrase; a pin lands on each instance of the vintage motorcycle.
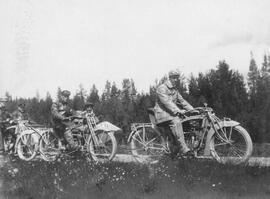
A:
(96, 140)
(21, 137)
(207, 135)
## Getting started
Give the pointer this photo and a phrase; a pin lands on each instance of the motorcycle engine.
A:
(192, 131)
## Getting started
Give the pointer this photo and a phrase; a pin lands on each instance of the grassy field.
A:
(76, 178)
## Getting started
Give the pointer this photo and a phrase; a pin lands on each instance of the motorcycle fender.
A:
(36, 137)
(11, 127)
(107, 127)
(138, 128)
(229, 123)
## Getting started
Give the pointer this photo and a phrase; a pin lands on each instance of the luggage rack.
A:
(136, 126)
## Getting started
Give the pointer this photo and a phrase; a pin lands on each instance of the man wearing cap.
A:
(4, 116)
(60, 112)
(170, 105)
(89, 108)
(18, 114)
(2, 110)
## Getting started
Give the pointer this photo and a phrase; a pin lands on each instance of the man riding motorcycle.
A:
(4, 115)
(169, 107)
(60, 115)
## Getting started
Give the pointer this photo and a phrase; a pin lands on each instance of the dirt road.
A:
(253, 161)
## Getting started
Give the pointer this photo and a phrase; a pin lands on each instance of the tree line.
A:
(225, 90)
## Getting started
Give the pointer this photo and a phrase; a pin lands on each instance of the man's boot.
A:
(1, 142)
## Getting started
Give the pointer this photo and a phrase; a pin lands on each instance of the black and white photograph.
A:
(134, 99)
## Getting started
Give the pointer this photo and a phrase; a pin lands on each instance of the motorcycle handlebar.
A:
(199, 109)
(83, 115)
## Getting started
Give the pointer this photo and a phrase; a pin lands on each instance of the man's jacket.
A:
(18, 115)
(59, 112)
(169, 103)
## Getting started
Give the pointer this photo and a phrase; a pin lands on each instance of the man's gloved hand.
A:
(180, 113)
(66, 119)
(195, 111)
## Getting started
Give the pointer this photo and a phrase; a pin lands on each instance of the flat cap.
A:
(21, 105)
(65, 93)
(89, 104)
(174, 73)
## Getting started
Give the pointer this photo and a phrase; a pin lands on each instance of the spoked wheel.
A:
(104, 148)
(49, 146)
(147, 145)
(27, 146)
(232, 145)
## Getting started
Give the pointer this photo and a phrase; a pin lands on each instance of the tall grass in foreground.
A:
(168, 179)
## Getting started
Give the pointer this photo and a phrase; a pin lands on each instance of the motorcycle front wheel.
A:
(49, 146)
(231, 145)
(26, 146)
(102, 149)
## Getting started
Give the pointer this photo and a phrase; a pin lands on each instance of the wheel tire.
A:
(140, 146)
(49, 146)
(26, 147)
(92, 150)
(217, 151)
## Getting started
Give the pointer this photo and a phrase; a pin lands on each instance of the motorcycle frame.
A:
(91, 123)
(210, 125)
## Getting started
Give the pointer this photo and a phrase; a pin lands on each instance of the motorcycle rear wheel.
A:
(147, 145)
(233, 147)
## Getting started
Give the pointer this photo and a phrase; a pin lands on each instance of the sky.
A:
(64, 43)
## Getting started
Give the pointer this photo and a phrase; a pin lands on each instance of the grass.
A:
(76, 178)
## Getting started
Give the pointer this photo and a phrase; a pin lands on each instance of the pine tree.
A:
(58, 93)
(107, 91)
(79, 99)
(253, 77)
(93, 97)
(194, 91)
(115, 92)
(265, 64)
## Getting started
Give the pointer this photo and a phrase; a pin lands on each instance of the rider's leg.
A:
(59, 130)
(177, 129)
(1, 140)
(166, 132)
(69, 138)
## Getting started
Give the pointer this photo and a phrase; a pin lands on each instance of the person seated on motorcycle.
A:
(61, 111)
(4, 116)
(5, 121)
(19, 113)
(169, 107)
(89, 109)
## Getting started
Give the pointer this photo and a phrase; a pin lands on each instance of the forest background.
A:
(246, 100)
